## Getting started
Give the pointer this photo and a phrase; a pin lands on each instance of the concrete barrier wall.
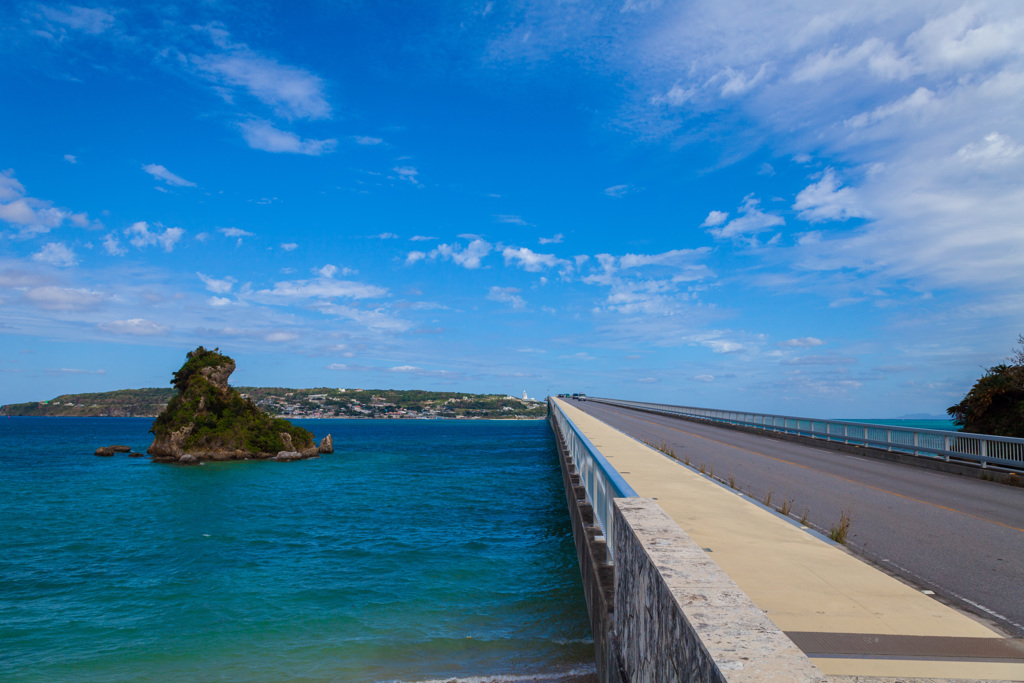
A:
(679, 618)
(597, 573)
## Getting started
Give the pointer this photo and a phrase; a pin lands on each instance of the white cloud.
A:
(77, 371)
(825, 200)
(10, 188)
(140, 236)
(161, 173)
(531, 261)
(85, 19)
(376, 320)
(715, 341)
(911, 104)
(648, 380)
(507, 295)
(404, 368)
(994, 149)
(56, 254)
(63, 298)
(752, 222)
(722, 345)
(802, 342)
(407, 173)
(135, 326)
(704, 378)
(892, 89)
(387, 236)
(33, 216)
(279, 337)
(616, 190)
(881, 59)
(71, 158)
(468, 257)
(674, 257)
(289, 246)
(218, 301)
(291, 91)
(330, 270)
(738, 82)
(366, 140)
(217, 286)
(237, 233)
(676, 96)
(337, 366)
(557, 239)
(264, 136)
(715, 218)
(112, 245)
(510, 218)
(421, 238)
(323, 287)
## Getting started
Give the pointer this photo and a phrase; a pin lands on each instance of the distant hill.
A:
(296, 403)
(121, 403)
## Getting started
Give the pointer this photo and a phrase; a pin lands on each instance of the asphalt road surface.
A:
(958, 536)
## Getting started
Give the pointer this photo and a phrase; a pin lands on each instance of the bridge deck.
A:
(808, 586)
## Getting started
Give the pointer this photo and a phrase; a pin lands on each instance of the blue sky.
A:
(797, 208)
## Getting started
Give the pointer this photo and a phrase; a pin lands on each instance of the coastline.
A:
(290, 417)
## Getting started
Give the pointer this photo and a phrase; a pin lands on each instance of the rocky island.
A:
(209, 420)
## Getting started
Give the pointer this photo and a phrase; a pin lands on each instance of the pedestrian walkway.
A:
(851, 618)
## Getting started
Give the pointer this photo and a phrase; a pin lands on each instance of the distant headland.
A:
(320, 402)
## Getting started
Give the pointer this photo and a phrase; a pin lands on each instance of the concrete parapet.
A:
(597, 574)
(679, 618)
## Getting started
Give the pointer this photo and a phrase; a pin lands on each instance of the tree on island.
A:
(209, 420)
(995, 404)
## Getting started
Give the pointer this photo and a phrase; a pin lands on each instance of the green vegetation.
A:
(217, 417)
(995, 404)
(296, 403)
(122, 403)
(328, 402)
(841, 529)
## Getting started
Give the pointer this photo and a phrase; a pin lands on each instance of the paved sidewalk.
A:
(851, 618)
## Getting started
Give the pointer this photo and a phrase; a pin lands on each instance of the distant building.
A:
(524, 395)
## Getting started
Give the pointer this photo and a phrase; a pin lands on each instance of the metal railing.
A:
(600, 480)
(984, 449)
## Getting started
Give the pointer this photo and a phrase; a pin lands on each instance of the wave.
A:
(583, 674)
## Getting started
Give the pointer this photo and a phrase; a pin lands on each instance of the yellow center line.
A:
(828, 474)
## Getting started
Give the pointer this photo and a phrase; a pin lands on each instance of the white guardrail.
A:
(601, 481)
(979, 448)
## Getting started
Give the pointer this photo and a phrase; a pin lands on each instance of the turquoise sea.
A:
(941, 424)
(419, 550)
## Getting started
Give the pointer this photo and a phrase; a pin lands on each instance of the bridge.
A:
(708, 546)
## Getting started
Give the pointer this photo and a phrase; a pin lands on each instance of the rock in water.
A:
(326, 445)
(209, 420)
(286, 439)
(107, 451)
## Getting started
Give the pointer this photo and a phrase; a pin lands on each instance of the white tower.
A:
(524, 395)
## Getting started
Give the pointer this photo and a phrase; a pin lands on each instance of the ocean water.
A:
(941, 424)
(419, 550)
